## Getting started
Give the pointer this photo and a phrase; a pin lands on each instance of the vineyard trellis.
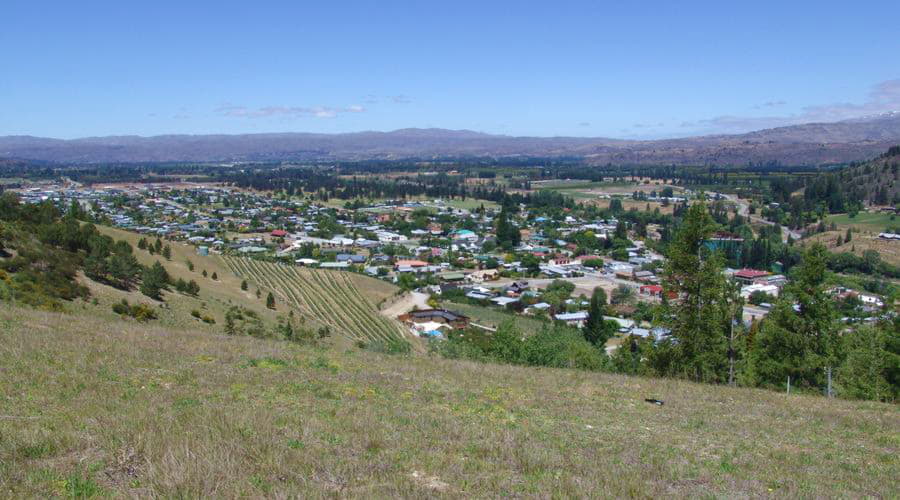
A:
(330, 297)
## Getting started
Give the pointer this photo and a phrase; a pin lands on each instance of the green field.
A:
(94, 407)
(492, 316)
(864, 221)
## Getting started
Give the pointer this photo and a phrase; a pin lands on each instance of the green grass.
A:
(864, 221)
(97, 407)
(492, 316)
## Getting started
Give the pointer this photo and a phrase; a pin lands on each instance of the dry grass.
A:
(641, 206)
(92, 405)
(215, 297)
(859, 243)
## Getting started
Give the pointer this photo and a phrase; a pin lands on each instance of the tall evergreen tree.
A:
(798, 338)
(155, 279)
(698, 345)
(596, 329)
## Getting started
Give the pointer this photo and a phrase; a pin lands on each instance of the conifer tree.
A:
(698, 318)
(596, 329)
(798, 338)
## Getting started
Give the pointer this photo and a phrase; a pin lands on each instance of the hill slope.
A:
(876, 181)
(807, 144)
(93, 406)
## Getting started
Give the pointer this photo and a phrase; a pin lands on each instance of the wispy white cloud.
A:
(883, 97)
(770, 104)
(394, 99)
(287, 111)
(648, 125)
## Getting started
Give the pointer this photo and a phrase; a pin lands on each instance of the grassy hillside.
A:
(92, 405)
(288, 285)
(861, 241)
(215, 296)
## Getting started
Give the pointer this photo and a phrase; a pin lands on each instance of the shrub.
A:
(140, 312)
(391, 346)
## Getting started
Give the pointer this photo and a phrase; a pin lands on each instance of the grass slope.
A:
(93, 406)
(889, 250)
(216, 296)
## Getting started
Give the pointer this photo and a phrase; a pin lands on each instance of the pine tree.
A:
(598, 330)
(871, 355)
(699, 318)
(167, 252)
(155, 279)
(244, 285)
(215, 276)
(848, 237)
(799, 337)
(270, 301)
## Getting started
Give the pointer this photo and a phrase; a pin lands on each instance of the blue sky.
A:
(591, 68)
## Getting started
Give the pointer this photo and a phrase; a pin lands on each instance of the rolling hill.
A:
(808, 144)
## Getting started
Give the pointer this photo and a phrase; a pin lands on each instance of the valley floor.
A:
(108, 407)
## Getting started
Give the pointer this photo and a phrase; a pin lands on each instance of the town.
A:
(460, 265)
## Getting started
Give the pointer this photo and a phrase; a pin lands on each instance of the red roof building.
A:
(750, 274)
(279, 233)
(410, 263)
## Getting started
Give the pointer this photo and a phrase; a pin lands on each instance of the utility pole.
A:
(789, 385)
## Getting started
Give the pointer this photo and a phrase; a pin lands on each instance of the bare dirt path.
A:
(406, 304)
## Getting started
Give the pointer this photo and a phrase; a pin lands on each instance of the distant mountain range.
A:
(807, 144)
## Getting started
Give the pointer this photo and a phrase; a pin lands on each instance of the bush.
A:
(195, 313)
(561, 347)
(140, 312)
(621, 295)
(391, 346)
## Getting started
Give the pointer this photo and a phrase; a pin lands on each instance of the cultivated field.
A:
(333, 298)
(113, 408)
